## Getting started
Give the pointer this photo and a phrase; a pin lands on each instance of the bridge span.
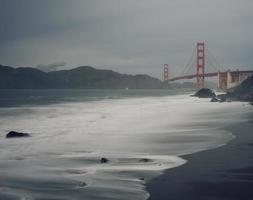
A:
(226, 79)
(193, 76)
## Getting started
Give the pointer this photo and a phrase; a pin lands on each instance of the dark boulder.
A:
(104, 160)
(144, 160)
(223, 97)
(205, 93)
(214, 99)
(14, 134)
(82, 184)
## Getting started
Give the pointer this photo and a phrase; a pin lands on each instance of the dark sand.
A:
(222, 173)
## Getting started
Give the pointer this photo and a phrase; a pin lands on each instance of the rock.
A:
(205, 93)
(14, 134)
(223, 97)
(247, 98)
(144, 160)
(245, 89)
(82, 184)
(243, 92)
(104, 160)
(214, 99)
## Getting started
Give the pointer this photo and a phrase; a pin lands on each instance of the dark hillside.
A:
(80, 77)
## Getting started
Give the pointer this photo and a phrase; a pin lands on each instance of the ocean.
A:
(140, 132)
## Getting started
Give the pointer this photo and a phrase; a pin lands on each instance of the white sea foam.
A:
(141, 137)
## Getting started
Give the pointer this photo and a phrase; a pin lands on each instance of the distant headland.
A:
(84, 77)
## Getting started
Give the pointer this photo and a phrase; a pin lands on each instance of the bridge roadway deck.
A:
(207, 75)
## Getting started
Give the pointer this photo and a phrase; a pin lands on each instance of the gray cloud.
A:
(51, 67)
(128, 36)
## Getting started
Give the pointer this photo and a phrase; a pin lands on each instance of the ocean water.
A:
(140, 132)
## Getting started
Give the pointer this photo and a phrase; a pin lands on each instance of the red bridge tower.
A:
(166, 73)
(200, 65)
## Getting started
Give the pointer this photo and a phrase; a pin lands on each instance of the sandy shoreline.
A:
(222, 173)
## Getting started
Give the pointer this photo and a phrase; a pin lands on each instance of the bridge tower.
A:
(166, 73)
(200, 65)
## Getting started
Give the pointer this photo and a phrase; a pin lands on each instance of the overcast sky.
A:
(129, 36)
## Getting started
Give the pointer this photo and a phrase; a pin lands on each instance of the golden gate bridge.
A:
(227, 79)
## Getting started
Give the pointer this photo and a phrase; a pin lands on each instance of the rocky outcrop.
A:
(104, 160)
(243, 92)
(204, 93)
(14, 134)
(144, 160)
(214, 99)
(245, 88)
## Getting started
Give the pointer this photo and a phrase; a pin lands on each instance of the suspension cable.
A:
(220, 67)
(189, 63)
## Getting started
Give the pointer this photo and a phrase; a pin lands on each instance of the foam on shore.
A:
(141, 137)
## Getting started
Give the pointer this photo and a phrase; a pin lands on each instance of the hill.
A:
(246, 87)
(84, 77)
(245, 90)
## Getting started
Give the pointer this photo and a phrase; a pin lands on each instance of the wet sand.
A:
(217, 174)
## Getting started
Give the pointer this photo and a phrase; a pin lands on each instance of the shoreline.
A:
(222, 173)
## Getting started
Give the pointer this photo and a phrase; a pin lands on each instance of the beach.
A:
(222, 173)
(140, 136)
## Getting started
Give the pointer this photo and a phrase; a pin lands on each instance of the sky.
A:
(128, 36)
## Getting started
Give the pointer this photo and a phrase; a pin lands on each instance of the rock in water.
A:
(205, 93)
(14, 134)
(214, 99)
(104, 160)
(223, 97)
(82, 184)
(144, 160)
